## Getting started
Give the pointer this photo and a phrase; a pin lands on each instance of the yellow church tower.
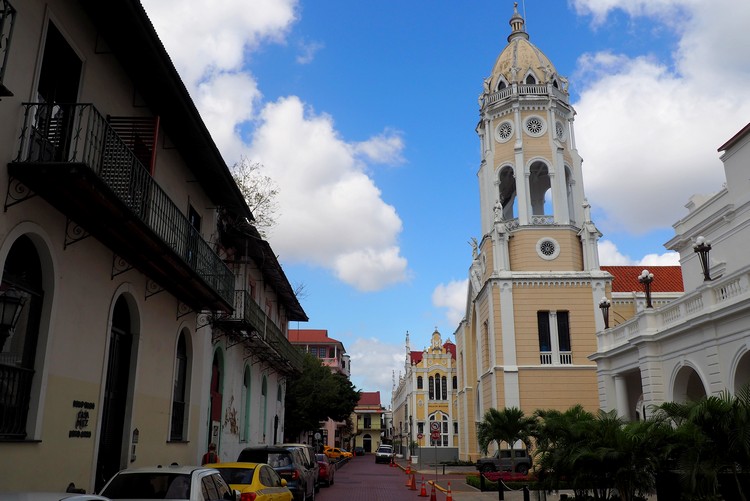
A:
(535, 282)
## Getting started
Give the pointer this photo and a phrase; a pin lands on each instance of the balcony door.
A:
(57, 91)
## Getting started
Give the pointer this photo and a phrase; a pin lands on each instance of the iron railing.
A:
(247, 310)
(15, 389)
(78, 133)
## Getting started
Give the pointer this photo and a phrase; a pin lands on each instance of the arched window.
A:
(539, 186)
(22, 273)
(264, 406)
(442, 419)
(431, 382)
(507, 192)
(530, 80)
(419, 382)
(246, 394)
(501, 85)
(438, 388)
(444, 381)
(181, 389)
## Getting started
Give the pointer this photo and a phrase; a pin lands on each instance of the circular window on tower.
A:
(535, 126)
(504, 132)
(559, 130)
(548, 248)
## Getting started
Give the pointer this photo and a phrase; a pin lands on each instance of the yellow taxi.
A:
(333, 453)
(346, 454)
(254, 481)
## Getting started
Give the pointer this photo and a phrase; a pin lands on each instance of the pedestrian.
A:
(210, 456)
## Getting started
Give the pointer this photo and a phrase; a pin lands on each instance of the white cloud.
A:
(659, 124)
(609, 255)
(384, 148)
(333, 214)
(452, 298)
(374, 364)
(308, 51)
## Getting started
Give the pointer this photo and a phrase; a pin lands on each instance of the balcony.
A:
(250, 326)
(71, 156)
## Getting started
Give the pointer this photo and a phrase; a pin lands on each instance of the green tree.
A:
(508, 425)
(316, 395)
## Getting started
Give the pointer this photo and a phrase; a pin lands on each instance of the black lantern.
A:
(11, 304)
(702, 247)
(646, 278)
(604, 304)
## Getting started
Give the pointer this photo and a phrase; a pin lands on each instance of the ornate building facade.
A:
(425, 420)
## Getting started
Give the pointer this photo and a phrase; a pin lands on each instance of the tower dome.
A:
(521, 61)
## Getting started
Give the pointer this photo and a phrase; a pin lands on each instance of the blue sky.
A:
(363, 114)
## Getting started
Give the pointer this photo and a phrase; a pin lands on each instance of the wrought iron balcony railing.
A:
(78, 134)
(250, 317)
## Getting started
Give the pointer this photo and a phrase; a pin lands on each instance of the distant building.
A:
(331, 353)
(367, 420)
(695, 345)
(424, 402)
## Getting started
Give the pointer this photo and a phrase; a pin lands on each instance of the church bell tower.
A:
(535, 283)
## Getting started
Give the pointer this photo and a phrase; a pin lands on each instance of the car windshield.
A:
(156, 485)
(237, 475)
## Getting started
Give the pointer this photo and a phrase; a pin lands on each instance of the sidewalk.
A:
(460, 490)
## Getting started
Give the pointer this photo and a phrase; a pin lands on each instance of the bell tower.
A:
(535, 282)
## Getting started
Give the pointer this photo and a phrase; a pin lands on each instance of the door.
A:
(112, 436)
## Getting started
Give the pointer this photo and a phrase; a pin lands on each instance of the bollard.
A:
(500, 489)
(481, 482)
(526, 493)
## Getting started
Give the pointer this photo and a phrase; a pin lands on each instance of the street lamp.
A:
(604, 304)
(11, 304)
(702, 247)
(646, 278)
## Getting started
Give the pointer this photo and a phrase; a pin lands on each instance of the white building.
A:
(699, 344)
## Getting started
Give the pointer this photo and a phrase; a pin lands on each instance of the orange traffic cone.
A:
(433, 495)
(413, 485)
(408, 468)
(423, 492)
(408, 478)
(449, 494)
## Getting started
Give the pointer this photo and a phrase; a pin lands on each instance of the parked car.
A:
(384, 454)
(326, 470)
(359, 451)
(502, 461)
(289, 463)
(333, 453)
(254, 481)
(308, 451)
(188, 483)
(346, 454)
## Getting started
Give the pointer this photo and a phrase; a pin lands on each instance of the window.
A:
(530, 80)
(420, 427)
(431, 382)
(455, 382)
(245, 429)
(23, 273)
(554, 338)
(455, 427)
(7, 20)
(419, 382)
(263, 407)
(367, 421)
(180, 391)
(443, 428)
(444, 381)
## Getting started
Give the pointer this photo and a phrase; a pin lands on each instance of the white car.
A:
(384, 454)
(186, 483)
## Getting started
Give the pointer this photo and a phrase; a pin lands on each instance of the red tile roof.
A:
(416, 356)
(317, 336)
(666, 278)
(369, 398)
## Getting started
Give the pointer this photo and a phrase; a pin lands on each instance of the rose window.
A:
(559, 130)
(547, 248)
(535, 126)
(504, 131)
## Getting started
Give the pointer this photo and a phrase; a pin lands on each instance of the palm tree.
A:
(715, 433)
(508, 425)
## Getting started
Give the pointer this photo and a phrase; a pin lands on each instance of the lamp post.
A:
(11, 304)
(604, 304)
(646, 278)
(702, 247)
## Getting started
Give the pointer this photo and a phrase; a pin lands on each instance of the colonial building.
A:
(425, 418)
(535, 280)
(331, 353)
(367, 420)
(123, 237)
(696, 345)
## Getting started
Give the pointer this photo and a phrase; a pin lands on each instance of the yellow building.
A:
(425, 421)
(367, 421)
(535, 280)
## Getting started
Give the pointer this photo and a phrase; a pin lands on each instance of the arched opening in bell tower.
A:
(539, 188)
(507, 192)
